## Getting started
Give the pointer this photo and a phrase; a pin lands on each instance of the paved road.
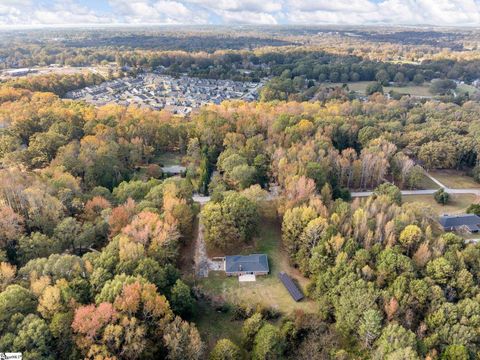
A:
(204, 199)
(425, 192)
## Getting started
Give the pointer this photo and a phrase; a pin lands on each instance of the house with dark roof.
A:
(255, 264)
(465, 222)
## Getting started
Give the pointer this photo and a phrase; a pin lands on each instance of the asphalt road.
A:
(425, 192)
(204, 199)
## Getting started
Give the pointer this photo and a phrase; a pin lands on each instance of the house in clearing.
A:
(466, 222)
(255, 264)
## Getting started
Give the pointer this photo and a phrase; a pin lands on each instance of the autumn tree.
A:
(225, 350)
(233, 220)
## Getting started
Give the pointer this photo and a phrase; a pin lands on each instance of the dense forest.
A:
(91, 229)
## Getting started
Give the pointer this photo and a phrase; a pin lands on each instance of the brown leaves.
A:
(90, 319)
(422, 255)
(7, 274)
(391, 308)
(121, 328)
(121, 216)
(148, 229)
(94, 207)
(11, 225)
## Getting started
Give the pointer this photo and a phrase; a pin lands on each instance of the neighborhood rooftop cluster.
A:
(157, 91)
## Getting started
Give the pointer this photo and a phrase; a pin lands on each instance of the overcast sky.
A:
(15, 13)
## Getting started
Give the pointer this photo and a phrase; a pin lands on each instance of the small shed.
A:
(291, 287)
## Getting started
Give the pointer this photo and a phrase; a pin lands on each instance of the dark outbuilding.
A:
(291, 287)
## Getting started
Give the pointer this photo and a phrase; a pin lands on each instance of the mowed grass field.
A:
(458, 203)
(215, 325)
(410, 89)
(267, 291)
(361, 86)
(169, 158)
(426, 184)
(455, 179)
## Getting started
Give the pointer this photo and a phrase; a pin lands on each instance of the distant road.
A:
(425, 192)
(204, 199)
(422, 192)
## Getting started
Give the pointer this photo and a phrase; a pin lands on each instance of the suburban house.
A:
(255, 264)
(465, 222)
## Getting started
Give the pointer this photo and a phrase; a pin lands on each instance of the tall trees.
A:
(225, 350)
(233, 220)
(268, 343)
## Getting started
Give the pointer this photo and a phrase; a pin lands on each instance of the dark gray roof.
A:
(254, 262)
(291, 287)
(471, 221)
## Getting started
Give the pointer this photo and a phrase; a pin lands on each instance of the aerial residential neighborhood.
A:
(178, 95)
(240, 180)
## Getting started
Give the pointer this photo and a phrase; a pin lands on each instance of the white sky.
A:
(15, 13)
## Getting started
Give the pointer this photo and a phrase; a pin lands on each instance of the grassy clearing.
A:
(409, 89)
(458, 203)
(169, 158)
(415, 90)
(267, 290)
(455, 179)
(361, 86)
(426, 183)
(215, 325)
(358, 86)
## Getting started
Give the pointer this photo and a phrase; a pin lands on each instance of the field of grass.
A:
(361, 86)
(267, 290)
(427, 183)
(410, 89)
(169, 158)
(458, 203)
(215, 325)
(358, 86)
(455, 179)
(415, 90)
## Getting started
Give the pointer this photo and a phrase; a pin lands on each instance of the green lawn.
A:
(427, 183)
(415, 90)
(361, 86)
(358, 86)
(458, 202)
(410, 89)
(455, 179)
(169, 158)
(267, 290)
(215, 325)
